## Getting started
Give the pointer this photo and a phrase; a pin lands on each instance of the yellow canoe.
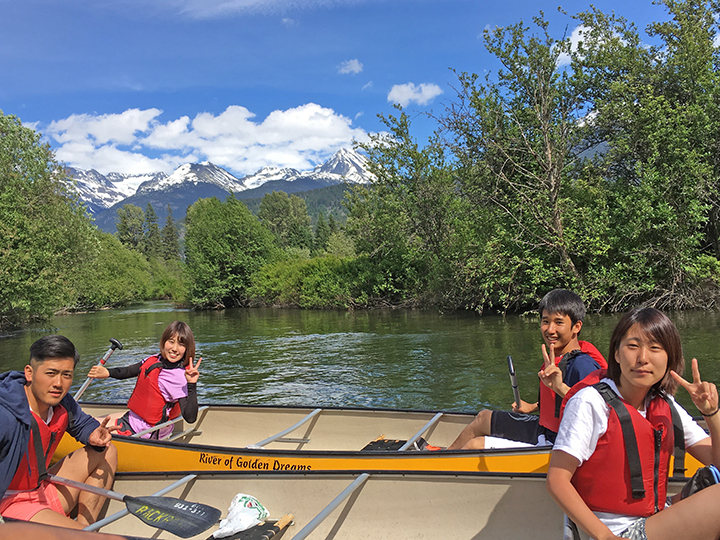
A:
(288, 439)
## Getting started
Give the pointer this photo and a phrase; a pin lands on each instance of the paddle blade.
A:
(182, 518)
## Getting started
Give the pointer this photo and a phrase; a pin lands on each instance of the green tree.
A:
(287, 218)
(131, 226)
(408, 220)
(45, 234)
(322, 233)
(170, 238)
(656, 110)
(332, 224)
(114, 276)
(518, 138)
(224, 246)
(151, 245)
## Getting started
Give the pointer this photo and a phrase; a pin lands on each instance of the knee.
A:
(111, 457)
(478, 443)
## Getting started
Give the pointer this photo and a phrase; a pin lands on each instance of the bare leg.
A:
(697, 517)
(13, 531)
(91, 467)
(479, 427)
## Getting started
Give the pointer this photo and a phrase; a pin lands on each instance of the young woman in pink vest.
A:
(166, 384)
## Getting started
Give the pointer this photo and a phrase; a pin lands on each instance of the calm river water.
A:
(395, 359)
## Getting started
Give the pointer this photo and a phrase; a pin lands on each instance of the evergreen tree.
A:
(130, 225)
(151, 244)
(322, 233)
(287, 218)
(170, 238)
(332, 224)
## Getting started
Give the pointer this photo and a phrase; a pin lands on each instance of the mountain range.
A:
(104, 194)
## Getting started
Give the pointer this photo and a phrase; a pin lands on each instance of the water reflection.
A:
(395, 358)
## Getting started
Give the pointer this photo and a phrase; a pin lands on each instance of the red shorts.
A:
(26, 504)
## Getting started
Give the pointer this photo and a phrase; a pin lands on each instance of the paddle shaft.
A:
(114, 344)
(513, 381)
(182, 518)
(87, 487)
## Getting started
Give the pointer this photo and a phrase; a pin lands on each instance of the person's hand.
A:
(191, 371)
(98, 372)
(525, 407)
(103, 433)
(703, 394)
(550, 374)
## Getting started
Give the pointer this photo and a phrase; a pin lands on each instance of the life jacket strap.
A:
(631, 445)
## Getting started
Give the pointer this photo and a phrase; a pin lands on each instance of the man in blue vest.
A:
(35, 412)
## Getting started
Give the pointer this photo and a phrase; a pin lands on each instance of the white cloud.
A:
(576, 37)
(367, 86)
(137, 141)
(422, 94)
(287, 21)
(353, 66)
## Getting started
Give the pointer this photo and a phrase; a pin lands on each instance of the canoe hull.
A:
(331, 441)
(386, 506)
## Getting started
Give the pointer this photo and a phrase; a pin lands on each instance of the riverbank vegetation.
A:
(589, 161)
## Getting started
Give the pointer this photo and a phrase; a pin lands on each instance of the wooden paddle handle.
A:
(284, 521)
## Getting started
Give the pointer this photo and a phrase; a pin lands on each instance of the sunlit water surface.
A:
(404, 359)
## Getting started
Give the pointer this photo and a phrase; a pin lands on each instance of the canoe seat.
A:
(381, 444)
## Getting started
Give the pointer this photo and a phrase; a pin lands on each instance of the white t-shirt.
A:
(585, 420)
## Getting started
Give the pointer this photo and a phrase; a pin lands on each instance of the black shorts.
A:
(518, 427)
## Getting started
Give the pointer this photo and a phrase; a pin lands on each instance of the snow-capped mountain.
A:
(346, 163)
(195, 173)
(270, 174)
(99, 191)
(345, 166)
(192, 180)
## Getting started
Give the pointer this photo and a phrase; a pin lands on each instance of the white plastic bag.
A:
(245, 511)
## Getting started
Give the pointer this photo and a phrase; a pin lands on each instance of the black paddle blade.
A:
(182, 518)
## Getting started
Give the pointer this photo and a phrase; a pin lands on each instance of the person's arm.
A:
(126, 372)
(83, 426)
(189, 404)
(559, 486)
(705, 397)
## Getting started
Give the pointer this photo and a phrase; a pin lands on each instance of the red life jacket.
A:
(628, 471)
(146, 400)
(33, 465)
(549, 402)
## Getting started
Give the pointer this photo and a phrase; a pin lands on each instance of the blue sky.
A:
(140, 86)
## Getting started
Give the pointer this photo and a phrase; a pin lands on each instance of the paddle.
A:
(181, 518)
(513, 381)
(114, 344)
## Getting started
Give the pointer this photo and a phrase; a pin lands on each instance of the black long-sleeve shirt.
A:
(188, 405)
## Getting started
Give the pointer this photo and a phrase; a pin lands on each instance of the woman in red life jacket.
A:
(166, 384)
(612, 487)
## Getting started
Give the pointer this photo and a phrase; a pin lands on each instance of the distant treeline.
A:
(593, 166)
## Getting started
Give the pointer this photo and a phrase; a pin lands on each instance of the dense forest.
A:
(592, 165)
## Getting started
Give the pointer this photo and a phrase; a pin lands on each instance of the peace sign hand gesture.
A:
(703, 394)
(550, 374)
(192, 373)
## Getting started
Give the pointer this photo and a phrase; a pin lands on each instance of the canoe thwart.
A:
(434, 420)
(337, 501)
(284, 432)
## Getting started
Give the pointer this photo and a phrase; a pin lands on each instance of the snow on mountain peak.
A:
(103, 191)
(196, 173)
